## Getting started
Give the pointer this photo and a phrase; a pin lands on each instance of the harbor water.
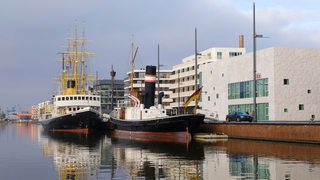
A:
(28, 152)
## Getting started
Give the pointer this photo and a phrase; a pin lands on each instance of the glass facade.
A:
(104, 89)
(244, 89)
(262, 110)
(241, 90)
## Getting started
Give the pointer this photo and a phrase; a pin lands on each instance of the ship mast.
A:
(73, 78)
(75, 62)
(134, 53)
(63, 83)
(82, 64)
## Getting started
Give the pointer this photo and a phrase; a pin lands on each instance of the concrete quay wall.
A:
(302, 131)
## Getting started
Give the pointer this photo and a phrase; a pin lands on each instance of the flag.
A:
(194, 96)
(70, 63)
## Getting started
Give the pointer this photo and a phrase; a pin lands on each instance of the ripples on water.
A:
(27, 152)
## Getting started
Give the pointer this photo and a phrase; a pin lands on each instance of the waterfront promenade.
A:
(285, 131)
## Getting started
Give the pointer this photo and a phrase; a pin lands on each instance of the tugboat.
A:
(75, 108)
(148, 122)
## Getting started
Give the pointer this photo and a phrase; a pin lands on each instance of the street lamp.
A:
(196, 54)
(195, 59)
(255, 36)
(113, 74)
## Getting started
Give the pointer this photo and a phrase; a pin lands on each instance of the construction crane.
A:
(134, 53)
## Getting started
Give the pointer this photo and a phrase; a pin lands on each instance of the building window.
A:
(244, 89)
(208, 98)
(232, 54)
(286, 81)
(313, 117)
(285, 110)
(209, 55)
(219, 55)
(217, 96)
(262, 110)
(309, 91)
(301, 107)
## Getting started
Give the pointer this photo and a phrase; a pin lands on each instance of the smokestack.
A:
(241, 41)
(150, 84)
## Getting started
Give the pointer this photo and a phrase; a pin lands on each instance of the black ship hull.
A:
(77, 122)
(169, 127)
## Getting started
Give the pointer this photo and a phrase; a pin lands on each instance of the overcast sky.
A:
(33, 32)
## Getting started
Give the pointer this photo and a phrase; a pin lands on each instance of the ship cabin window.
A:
(71, 98)
(90, 98)
(69, 109)
(82, 97)
(74, 109)
(67, 98)
(62, 98)
(87, 98)
(94, 98)
(59, 98)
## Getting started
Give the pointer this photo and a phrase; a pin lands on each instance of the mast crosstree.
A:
(73, 79)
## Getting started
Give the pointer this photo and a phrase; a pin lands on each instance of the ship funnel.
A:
(150, 84)
(71, 84)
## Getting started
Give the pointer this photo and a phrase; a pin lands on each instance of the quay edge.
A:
(284, 131)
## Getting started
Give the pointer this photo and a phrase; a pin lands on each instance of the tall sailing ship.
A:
(74, 107)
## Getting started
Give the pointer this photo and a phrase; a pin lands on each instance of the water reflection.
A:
(75, 155)
(262, 160)
(158, 160)
(98, 156)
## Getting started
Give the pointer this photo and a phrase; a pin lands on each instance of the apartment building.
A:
(183, 74)
(163, 86)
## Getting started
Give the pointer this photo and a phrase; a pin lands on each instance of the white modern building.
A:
(288, 84)
(183, 75)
